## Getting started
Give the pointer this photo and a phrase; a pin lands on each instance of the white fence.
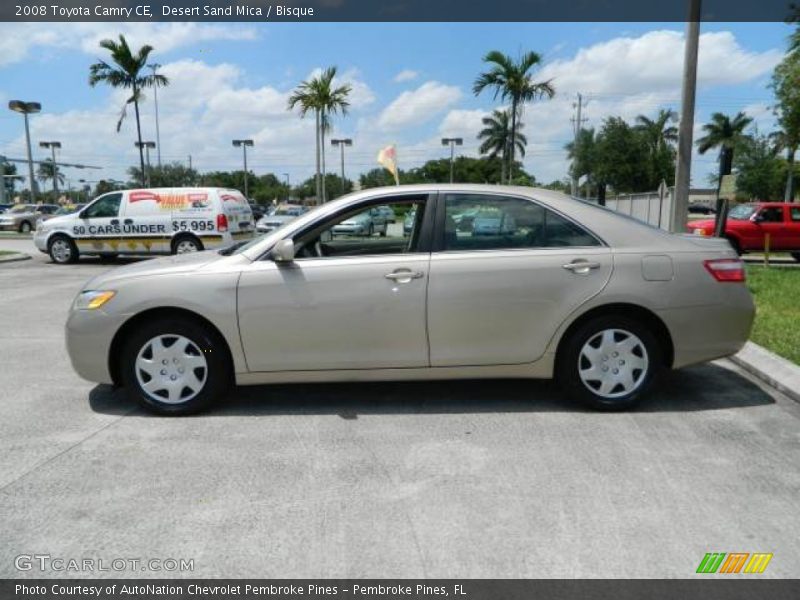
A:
(649, 207)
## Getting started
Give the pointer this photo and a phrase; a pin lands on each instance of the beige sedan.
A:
(573, 291)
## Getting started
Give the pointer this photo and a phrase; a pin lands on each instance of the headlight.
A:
(91, 299)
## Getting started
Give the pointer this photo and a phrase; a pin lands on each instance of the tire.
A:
(592, 363)
(183, 244)
(194, 356)
(734, 244)
(25, 227)
(62, 250)
(796, 256)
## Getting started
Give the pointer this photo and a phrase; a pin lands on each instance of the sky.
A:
(412, 85)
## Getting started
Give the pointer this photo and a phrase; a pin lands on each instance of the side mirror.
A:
(757, 218)
(283, 252)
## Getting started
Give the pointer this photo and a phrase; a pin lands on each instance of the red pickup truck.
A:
(748, 225)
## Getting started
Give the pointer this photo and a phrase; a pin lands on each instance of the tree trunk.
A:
(789, 194)
(510, 170)
(322, 146)
(139, 132)
(316, 174)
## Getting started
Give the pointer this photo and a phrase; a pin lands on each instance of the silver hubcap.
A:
(185, 246)
(171, 369)
(61, 250)
(613, 363)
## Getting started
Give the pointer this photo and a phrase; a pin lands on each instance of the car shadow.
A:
(704, 387)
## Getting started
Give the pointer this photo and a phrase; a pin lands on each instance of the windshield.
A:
(287, 212)
(742, 212)
(67, 210)
(21, 208)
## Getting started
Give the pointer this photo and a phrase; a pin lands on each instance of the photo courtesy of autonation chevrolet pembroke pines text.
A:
(419, 300)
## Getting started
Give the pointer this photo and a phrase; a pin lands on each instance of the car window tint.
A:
(771, 214)
(369, 231)
(478, 222)
(107, 206)
(795, 213)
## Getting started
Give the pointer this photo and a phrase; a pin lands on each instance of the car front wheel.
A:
(609, 362)
(25, 227)
(175, 366)
(62, 250)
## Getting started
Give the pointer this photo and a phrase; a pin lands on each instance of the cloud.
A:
(405, 75)
(653, 62)
(418, 106)
(18, 41)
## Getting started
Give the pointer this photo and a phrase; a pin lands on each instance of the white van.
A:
(148, 221)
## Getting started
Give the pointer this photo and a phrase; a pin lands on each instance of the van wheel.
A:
(62, 250)
(609, 362)
(25, 227)
(175, 366)
(186, 243)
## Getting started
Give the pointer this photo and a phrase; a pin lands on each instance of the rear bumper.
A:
(703, 333)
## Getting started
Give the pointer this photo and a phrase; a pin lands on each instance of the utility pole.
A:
(25, 109)
(342, 143)
(53, 146)
(155, 67)
(683, 164)
(244, 144)
(577, 125)
(452, 142)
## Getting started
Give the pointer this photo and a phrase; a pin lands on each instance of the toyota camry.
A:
(569, 290)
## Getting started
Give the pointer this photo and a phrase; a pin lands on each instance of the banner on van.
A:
(171, 201)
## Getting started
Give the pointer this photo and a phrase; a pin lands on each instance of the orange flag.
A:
(387, 158)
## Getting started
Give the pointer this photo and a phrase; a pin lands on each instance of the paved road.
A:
(465, 479)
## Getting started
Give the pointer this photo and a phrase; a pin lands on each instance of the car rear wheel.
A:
(62, 250)
(609, 362)
(175, 366)
(25, 227)
(185, 244)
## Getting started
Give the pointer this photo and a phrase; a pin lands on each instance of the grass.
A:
(5, 252)
(777, 294)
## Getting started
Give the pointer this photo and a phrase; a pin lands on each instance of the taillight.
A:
(222, 223)
(725, 269)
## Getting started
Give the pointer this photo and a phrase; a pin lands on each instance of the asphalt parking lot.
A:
(450, 479)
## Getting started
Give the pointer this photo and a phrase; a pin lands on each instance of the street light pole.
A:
(342, 142)
(146, 146)
(53, 146)
(683, 163)
(452, 142)
(244, 144)
(26, 108)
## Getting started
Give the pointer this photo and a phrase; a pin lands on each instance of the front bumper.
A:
(88, 335)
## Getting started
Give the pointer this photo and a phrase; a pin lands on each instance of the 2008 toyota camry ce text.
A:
(485, 281)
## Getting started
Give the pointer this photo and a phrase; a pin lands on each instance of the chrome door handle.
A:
(403, 276)
(582, 267)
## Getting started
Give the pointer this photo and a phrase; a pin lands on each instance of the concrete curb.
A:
(770, 368)
(4, 258)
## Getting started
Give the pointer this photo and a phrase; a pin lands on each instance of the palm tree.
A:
(320, 96)
(47, 171)
(658, 133)
(724, 133)
(126, 73)
(496, 138)
(513, 81)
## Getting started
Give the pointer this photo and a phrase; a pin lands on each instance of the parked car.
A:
(702, 209)
(283, 214)
(23, 217)
(258, 210)
(748, 224)
(387, 214)
(151, 221)
(598, 300)
(364, 224)
(493, 222)
(4, 207)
